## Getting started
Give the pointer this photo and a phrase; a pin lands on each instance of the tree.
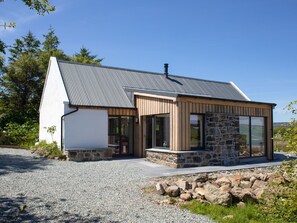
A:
(40, 6)
(289, 134)
(28, 44)
(21, 90)
(50, 47)
(84, 56)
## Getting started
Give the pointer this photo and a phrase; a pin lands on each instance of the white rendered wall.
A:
(52, 103)
(86, 129)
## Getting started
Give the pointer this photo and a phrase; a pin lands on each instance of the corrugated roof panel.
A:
(90, 85)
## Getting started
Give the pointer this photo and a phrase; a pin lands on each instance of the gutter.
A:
(62, 118)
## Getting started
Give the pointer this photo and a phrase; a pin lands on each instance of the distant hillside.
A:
(280, 124)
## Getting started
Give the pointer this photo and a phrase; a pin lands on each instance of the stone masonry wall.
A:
(89, 155)
(222, 137)
(221, 145)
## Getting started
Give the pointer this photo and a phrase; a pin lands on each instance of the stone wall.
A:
(222, 137)
(89, 155)
(221, 145)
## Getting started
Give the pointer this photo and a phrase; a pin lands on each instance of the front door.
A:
(121, 134)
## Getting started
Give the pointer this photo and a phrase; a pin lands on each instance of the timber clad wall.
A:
(181, 109)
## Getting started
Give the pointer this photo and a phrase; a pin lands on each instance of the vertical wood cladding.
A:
(181, 109)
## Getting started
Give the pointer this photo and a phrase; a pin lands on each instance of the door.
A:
(121, 134)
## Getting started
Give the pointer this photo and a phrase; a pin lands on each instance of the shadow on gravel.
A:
(16, 163)
(18, 210)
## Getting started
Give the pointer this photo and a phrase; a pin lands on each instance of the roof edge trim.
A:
(155, 96)
(240, 91)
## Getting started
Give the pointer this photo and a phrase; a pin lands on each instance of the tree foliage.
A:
(289, 134)
(84, 56)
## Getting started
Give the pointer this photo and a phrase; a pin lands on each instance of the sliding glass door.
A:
(121, 134)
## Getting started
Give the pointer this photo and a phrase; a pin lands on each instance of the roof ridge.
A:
(141, 71)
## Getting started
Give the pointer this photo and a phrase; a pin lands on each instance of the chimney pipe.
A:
(166, 69)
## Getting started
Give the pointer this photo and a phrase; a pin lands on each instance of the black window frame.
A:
(250, 137)
(203, 132)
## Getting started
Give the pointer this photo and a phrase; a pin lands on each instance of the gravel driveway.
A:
(33, 189)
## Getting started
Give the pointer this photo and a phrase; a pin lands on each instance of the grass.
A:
(251, 213)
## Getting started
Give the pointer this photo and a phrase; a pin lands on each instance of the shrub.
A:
(24, 135)
(281, 199)
(50, 150)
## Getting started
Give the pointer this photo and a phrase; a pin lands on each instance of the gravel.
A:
(34, 189)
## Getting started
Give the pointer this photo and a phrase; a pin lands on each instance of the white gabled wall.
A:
(52, 103)
(86, 129)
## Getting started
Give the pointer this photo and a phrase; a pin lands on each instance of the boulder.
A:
(245, 184)
(225, 187)
(202, 178)
(259, 184)
(194, 185)
(241, 204)
(186, 196)
(259, 192)
(240, 194)
(235, 180)
(200, 191)
(262, 177)
(223, 181)
(214, 195)
(183, 184)
(160, 189)
(253, 179)
(173, 191)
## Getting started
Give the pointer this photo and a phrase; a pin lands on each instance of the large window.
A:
(158, 131)
(197, 131)
(252, 136)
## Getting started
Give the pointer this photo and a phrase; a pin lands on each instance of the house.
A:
(100, 112)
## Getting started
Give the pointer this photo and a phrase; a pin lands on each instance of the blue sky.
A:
(250, 42)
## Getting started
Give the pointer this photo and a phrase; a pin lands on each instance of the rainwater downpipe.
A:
(62, 118)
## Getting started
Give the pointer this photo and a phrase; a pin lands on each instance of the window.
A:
(158, 131)
(252, 136)
(197, 131)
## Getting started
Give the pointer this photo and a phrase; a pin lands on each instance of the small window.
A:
(197, 131)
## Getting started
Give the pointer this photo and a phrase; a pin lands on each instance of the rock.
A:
(160, 189)
(235, 180)
(183, 184)
(241, 204)
(200, 191)
(225, 188)
(262, 177)
(173, 191)
(199, 184)
(186, 196)
(259, 184)
(165, 185)
(240, 194)
(223, 181)
(228, 217)
(246, 177)
(214, 195)
(196, 195)
(253, 179)
(202, 178)
(194, 185)
(245, 184)
(259, 192)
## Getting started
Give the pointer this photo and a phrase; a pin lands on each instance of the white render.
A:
(52, 103)
(83, 129)
(86, 129)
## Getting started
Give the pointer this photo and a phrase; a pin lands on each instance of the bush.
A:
(49, 150)
(24, 135)
(281, 199)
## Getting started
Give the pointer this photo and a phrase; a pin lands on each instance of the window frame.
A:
(203, 132)
(250, 144)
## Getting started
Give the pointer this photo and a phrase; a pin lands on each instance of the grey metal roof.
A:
(91, 85)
